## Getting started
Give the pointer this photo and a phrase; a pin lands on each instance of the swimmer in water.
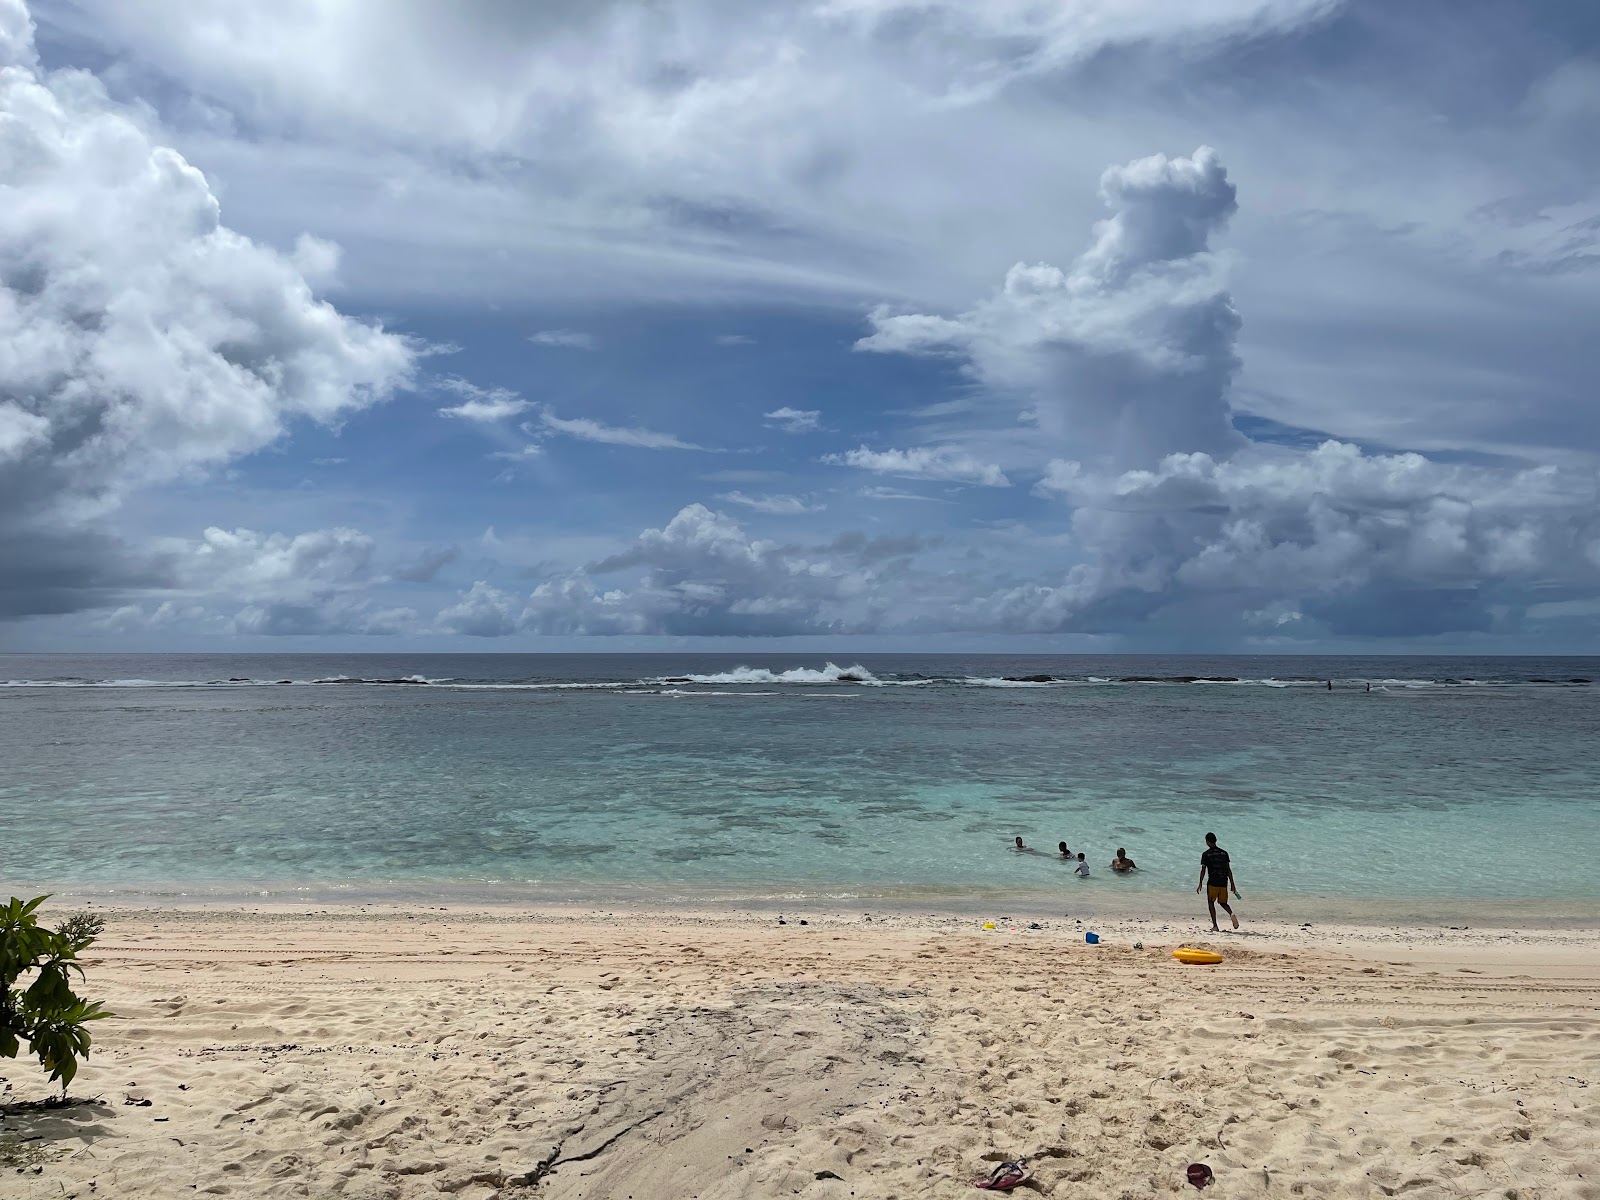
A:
(1065, 853)
(1083, 866)
(1122, 864)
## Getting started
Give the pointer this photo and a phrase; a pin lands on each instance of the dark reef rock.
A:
(1029, 678)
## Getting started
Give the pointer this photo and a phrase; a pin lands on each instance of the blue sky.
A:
(1101, 325)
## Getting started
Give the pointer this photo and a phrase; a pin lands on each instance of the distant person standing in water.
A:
(1216, 876)
(1122, 864)
(1083, 866)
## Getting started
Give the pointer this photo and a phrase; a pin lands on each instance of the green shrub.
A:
(43, 1011)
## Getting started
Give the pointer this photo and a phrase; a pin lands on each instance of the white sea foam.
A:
(973, 681)
(748, 675)
(540, 687)
(698, 692)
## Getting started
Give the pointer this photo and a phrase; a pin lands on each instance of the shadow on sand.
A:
(39, 1129)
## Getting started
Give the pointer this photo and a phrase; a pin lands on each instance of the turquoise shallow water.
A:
(1451, 778)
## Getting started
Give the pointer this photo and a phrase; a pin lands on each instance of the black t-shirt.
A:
(1215, 861)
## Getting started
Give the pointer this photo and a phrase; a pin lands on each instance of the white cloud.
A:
(587, 430)
(483, 405)
(733, 339)
(16, 35)
(1373, 544)
(923, 462)
(778, 505)
(794, 420)
(1128, 355)
(566, 339)
(258, 565)
(624, 149)
(243, 582)
(700, 573)
(482, 611)
(141, 340)
(886, 493)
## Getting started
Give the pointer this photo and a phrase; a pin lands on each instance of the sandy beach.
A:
(385, 1052)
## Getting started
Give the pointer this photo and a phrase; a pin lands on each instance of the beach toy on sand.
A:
(988, 924)
(1188, 954)
(1092, 938)
(1005, 1177)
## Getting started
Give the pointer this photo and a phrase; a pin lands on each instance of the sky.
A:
(1086, 325)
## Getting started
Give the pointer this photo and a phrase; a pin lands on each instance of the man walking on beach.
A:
(1216, 876)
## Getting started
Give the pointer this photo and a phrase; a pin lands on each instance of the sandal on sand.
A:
(1005, 1177)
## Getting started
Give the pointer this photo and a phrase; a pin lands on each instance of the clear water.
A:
(1450, 778)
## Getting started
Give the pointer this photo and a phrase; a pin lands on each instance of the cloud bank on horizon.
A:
(695, 336)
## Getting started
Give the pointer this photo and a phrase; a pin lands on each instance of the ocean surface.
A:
(782, 774)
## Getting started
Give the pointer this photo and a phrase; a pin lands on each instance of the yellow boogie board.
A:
(1187, 954)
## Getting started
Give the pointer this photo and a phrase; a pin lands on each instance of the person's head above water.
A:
(1020, 846)
(1062, 846)
(1080, 855)
(1121, 853)
(1211, 839)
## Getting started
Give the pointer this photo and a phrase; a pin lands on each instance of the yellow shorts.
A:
(1217, 893)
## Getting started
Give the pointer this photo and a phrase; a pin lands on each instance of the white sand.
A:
(660, 1056)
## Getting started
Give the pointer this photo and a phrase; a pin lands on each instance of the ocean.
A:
(782, 775)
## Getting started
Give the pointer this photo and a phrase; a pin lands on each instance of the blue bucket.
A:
(1092, 938)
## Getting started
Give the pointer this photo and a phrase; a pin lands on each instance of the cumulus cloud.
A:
(1129, 354)
(247, 582)
(701, 573)
(566, 339)
(141, 340)
(483, 405)
(1349, 536)
(1125, 361)
(482, 611)
(587, 430)
(794, 420)
(16, 35)
(777, 505)
(923, 462)
(251, 563)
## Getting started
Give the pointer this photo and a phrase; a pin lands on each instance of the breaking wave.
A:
(830, 679)
(747, 675)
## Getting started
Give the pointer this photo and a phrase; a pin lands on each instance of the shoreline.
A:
(1101, 899)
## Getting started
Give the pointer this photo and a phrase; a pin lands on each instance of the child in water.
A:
(1083, 866)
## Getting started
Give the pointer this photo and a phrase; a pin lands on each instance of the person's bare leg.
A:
(1227, 908)
(1212, 905)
